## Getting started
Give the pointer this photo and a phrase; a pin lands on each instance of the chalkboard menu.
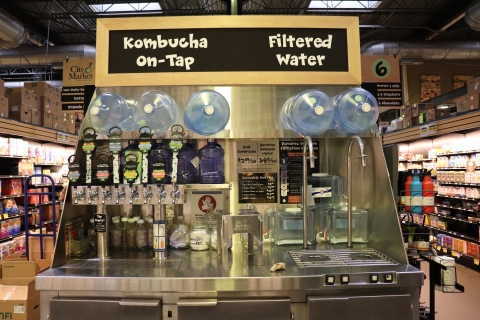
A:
(257, 187)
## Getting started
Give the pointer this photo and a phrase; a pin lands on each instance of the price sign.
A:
(5, 215)
(439, 248)
(476, 262)
(455, 254)
(445, 250)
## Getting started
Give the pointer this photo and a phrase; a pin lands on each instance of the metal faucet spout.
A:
(307, 142)
(349, 182)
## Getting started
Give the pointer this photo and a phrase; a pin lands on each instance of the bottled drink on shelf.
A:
(187, 164)
(416, 192)
(356, 110)
(407, 191)
(106, 111)
(130, 230)
(211, 163)
(141, 235)
(156, 110)
(428, 193)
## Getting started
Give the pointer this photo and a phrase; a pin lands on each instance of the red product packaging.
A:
(34, 199)
(11, 187)
(472, 250)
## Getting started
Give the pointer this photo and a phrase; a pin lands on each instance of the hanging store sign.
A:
(228, 50)
(387, 94)
(78, 76)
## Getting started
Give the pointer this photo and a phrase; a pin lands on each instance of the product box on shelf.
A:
(473, 102)
(472, 250)
(460, 245)
(473, 86)
(46, 105)
(12, 187)
(56, 122)
(47, 120)
(442, 225)
(447, 242)
(2, 88)
(40, 88)
(418, 108)
(25, 167)
(17, 96)
(435, 114)
(70, 125)
(461, 104)
(21, 112)
(416, 121)
(407, 122)
(62, 124)
(37, 117)
(406, 111)
(57, 107)
(3, 107)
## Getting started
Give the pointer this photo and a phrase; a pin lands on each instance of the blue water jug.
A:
(156, 110)
(187, 170)
(206, 112)
(212, 163)
(158, 148)
(106, 111)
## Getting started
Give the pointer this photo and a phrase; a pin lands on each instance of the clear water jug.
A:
(211, 163)
(338, 226)
(356, 110)
(156, 110)
(187, 171)
(206, 112)
(106, 111)
(310, 112)
(328, 190)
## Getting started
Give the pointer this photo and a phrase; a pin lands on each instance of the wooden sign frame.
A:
(351, 24)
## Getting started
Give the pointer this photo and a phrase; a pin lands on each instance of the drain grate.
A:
(334, 258)
(123, 264)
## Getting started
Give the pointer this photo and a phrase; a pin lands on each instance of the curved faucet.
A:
(307, 142)
(349, 182)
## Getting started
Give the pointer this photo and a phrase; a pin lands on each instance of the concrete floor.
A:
(455, 306)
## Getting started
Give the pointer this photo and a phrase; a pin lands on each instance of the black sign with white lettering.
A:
(100, 222)
(388, 94)
(236, 49)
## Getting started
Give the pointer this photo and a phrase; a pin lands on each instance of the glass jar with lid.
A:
(116, 235)
(123, 227)
(180, 238)
(199, 238)
(141, 235)
(130, 230)
(214, 239)
(149, 227)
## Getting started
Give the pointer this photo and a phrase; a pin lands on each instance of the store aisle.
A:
(456, 306)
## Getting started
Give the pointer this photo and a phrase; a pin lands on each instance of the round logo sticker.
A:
(381, 68)
(207, 203)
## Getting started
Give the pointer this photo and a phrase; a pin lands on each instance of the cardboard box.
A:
(420, 107)
(47, 120)
(17, 96)
(62, 124)
(37, 117)
(415, 121)
(473, 86)
(2, 88)
(472, 102)
(434, 114)
(56, 107)
(3, 107)
(45, 105)
(35, 102)
(461, 105)
(20, 112)
(40, 88)
(406, 111)
(70, 125)
(407, 122)
(56, 122)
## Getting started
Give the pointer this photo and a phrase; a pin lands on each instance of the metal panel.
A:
(278, 309)
(95, 309)
(394, 307)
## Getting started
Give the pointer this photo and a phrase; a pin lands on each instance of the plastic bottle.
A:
(168, 154)
(149, 227)
(156, 110)
(141, 235)
(131, 234)
(206, 112)
(180, 238)
(92, 234)
(428, 193)
(211, 163)
(187, 172)
(123, 227)
(407, 191)
(310, 112)
(132, 145)
(116, 235)
(214, 239)
(356, 110)
(416, 192)
(106, 111)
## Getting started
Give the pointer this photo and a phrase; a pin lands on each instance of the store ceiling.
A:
(73, 21)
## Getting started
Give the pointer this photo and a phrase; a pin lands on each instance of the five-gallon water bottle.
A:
(356, 110)
(206, 112)
(106, 111)
(128, 123)
(187, 164)
(211, 163)
(310, 112)
(156, 110)
(158, 148)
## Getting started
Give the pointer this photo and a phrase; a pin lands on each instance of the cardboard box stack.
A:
(3, 101)
(472, 101)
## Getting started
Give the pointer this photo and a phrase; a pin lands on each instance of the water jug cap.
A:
(209, 110)
(95, 110)
(319, 110)
(131, 220)
(148, 108)
(210, 140)
(293, 210)
(319, 174)
(140, 221)
(124, 219)
(116, 221)
(366, 107)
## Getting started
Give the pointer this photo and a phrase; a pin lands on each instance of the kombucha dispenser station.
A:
(229, 167)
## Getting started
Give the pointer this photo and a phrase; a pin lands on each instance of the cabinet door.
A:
(391, 307)
(102, 309)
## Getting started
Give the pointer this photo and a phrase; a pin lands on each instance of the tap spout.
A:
(307, 143)
(349, 183)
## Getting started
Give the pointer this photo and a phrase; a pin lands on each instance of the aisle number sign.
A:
(228, 50)
(381, 77)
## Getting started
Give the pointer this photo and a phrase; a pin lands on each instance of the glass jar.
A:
(141, 235)
(123, 228)
(199, 238)
(92, 234)
(179, 238)
(149, 227)
(130, 230)
(214, 239)
(116, 235)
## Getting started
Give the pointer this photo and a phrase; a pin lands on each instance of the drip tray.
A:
(335, 258)
(123, 264)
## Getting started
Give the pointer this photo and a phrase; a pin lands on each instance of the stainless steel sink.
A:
(333, 258)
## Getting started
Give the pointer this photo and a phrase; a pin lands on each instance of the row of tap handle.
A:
(128, 194)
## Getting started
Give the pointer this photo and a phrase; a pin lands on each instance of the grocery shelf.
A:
(5, 216)
(11, 176)
(43, 203)
(453, 207)
(452, 197)
(458, 235)
(457, 153)
(460, 184)
(46, 185)
(12, 196)
(12, 237)
(454, 168)
(15, 157)
(50, 164)
(454, 218)
(417, 160)
(36, 225)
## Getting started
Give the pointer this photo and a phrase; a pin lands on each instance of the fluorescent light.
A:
(324, 4)
(131, 6)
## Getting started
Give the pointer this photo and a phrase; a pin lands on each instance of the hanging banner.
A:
(78, 76)
(218, 50)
